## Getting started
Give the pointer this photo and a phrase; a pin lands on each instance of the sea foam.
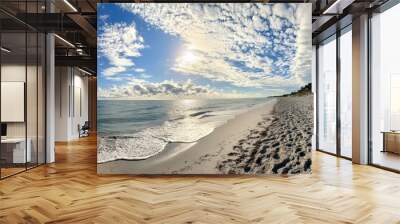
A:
(184, 124)
(151, 141)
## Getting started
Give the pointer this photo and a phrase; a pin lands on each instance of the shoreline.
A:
(200, 157)
(139, 158)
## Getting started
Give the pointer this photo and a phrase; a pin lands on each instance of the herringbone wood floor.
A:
(70, 191)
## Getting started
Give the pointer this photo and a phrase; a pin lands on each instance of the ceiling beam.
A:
(44, 22)
(79, 61)
(83, 23)
(337, 7)
(320, 22)
(86, 26)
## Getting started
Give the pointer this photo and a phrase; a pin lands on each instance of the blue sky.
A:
(154, 50)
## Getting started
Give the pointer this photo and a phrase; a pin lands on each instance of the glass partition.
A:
(314, 86)
(385, 89)
(13, 94)
(327, 96)
(346, 93)
(22, 87)
(41, 97)
(31, 97)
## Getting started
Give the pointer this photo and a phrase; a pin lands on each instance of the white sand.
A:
(281, 145)
(195, 158)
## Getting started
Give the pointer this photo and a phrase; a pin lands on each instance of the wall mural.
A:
(204, 88)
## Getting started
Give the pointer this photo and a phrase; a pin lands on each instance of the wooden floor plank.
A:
(70, 191)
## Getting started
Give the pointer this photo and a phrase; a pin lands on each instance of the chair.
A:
(84, 130)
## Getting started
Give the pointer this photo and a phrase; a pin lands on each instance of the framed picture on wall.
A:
(204, 88)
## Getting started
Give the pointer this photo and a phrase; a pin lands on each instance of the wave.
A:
(178, 118)
(182, 127)
(200, 113)
(151, 141)
(207, 115)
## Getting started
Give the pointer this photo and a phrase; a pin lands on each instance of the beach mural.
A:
(204, 88)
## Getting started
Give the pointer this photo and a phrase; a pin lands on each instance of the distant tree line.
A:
(305, 90)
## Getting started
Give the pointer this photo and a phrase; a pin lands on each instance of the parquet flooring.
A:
(70, 191)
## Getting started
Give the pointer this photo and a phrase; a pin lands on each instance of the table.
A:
(15, 148)
(391, 141)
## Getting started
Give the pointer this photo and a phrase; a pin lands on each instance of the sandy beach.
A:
(201, 157)
(281, 143)
(244, 144)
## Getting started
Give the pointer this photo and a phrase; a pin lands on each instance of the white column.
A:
(360, 90)
(50, 99)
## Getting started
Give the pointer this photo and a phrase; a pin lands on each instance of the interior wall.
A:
(16, 73)
(80, 109)
(33, 126)
(61, 103)
(71, 102)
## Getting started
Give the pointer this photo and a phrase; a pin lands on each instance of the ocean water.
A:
(138, 129)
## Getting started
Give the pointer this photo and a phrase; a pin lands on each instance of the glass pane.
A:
(314, 84)
(346, 94)
(32, 87)
(23, 89)
(41, 99)
(31, 98)
(386, 89)
(13, 86)
(327, 97)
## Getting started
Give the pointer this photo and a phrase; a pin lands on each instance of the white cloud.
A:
(144, 76)
(104, 17)
(111, 71)
(285, 11)
(169, 89)
(304, 44)
(140, 70)
(234, 42)
(119, 43)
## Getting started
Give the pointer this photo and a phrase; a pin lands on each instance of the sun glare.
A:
(188, 57)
